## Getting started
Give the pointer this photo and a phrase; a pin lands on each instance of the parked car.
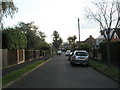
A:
(67, 52)
(59, 52)
(79, 57)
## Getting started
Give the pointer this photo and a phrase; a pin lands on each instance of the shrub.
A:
(13, 39)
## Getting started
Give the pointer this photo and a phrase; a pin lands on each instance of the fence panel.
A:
(114, 52)
(21, 56)
(4, 57)
(36, 53)
(91, 55)
(99, 56)
(12, 57)
(28, 55)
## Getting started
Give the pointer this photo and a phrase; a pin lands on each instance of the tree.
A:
(57, 40)
(13, 38)
(30, 30)
(32, 40)
(107, 14)
(25, 27)
(45, 46)
(85, 47)
(7, 8)
(35, 38)
(71, 41)
(41, 35)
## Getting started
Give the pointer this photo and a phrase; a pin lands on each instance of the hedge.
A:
(114, 52)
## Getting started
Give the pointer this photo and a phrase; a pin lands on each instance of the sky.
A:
(59, 15)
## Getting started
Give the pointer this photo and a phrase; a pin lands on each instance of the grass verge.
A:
(18, 73)
(112, 71)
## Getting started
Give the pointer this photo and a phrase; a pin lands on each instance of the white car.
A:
(59, 52)
(80, 57)
(67, 52)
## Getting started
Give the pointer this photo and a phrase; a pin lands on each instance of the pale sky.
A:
(59, 15)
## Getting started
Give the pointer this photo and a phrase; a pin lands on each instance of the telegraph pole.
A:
(79, 33)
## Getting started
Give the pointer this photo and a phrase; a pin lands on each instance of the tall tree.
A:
(71, 41)
(30, 31)
(35, 38)
(107, 14)
(57, 40)
(41, 35)
(25, 27)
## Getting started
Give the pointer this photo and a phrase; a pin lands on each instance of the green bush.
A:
(85, 47)
(24, 36)
(13, 38)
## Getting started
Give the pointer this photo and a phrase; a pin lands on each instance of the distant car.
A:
(67, 52)
(59, 52)
(80, 57)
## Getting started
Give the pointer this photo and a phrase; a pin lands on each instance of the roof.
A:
(117, 32)
(100, 37)
(89, 40)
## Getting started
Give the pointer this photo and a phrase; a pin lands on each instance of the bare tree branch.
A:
(118, 19)
(106, 15)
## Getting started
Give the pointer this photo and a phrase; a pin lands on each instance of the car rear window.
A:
(68, 51)
(81, 54)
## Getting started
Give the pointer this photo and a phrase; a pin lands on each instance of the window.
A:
(81, 54)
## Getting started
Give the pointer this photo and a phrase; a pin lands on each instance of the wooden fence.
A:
(95, 54)
(13, 57)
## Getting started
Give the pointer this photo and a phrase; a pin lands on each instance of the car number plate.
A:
(81, 58)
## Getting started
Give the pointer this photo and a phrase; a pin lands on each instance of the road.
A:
(58, 73)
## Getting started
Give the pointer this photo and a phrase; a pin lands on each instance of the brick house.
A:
(89, 41)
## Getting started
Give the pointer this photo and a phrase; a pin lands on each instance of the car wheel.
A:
(73, 64)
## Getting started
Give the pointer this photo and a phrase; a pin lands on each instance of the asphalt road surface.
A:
(58, 73)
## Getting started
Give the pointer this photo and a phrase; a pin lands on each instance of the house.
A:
(116, 36)
(89, 41)
(99, 39)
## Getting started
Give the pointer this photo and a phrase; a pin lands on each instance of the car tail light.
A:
(74, 57)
